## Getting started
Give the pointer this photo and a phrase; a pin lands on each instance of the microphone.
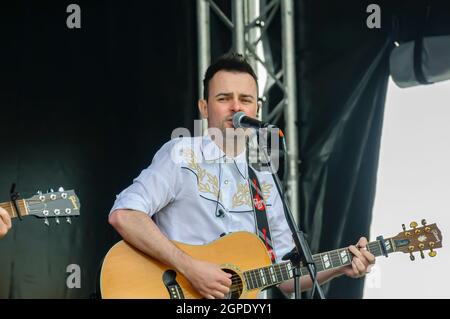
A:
(240, 120)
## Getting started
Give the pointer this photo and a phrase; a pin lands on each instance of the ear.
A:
(203, 108)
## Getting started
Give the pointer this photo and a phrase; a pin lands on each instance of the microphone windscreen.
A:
(237, 117)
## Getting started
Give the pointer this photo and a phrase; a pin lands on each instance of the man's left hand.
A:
(362, 260)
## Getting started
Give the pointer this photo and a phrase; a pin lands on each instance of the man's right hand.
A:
(5, 222)
(208, 279)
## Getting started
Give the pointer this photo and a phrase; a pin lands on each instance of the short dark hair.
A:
(233, 62)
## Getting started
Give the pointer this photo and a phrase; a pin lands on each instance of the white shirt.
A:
(195, 193)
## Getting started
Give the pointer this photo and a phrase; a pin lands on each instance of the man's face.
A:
(229, 93)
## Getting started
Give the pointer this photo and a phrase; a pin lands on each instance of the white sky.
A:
(413, 183)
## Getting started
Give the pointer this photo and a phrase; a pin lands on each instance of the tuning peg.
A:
(50, 190)
(432, 253)
(414, 225)
(424, 222)
(407, 233)
(422, 254)
(61, 189)
(57, 220)
(411, 256)
(39, 193)
(68, 220)
(46, 222)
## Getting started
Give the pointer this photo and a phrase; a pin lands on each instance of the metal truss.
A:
(249, 22)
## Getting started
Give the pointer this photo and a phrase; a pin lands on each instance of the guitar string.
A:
(317, 259)
(254, 274)
(279, 269)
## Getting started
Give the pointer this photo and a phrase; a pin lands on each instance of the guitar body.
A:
(128, 273)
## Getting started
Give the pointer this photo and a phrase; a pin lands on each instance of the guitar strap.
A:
(259, 209)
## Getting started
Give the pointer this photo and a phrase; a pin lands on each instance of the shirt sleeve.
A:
(155, 187)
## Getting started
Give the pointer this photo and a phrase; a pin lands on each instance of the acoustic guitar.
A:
(128, 273)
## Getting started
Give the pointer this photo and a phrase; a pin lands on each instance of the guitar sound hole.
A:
(236, 285)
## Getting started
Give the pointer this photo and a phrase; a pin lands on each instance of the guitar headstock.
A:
(426, 237)
(61, 204)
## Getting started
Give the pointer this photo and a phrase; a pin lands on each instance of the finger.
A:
(226, 281)
(223, 289)
(5, 217)
(2, 230)
(355, 269)
(362, 242)
(207, 296)
(4, 225)
(360, 266)
(366, 258)
(217, 294)
(355, 251)
(369, 256)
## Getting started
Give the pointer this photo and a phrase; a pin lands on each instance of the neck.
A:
(275, 274)
(231, 144)
(9, 207)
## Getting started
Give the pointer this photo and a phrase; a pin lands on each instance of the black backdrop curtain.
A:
(85, 109)
(343, 69)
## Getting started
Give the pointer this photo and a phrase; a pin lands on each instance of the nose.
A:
(236, 105)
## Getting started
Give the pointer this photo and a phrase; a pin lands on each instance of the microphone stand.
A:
(301, 246)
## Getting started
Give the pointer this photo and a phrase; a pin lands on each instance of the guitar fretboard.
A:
(9, 207)
(277, 273)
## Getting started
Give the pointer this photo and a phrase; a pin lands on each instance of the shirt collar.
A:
(211, 153)
(210, 150)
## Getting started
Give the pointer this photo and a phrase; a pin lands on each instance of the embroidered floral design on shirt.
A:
(266, 189)
(211, 185)
(242, 196)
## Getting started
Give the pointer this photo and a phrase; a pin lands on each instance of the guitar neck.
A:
(9, 207)
(278, 273)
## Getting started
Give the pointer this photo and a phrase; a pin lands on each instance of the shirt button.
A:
(225, 182)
